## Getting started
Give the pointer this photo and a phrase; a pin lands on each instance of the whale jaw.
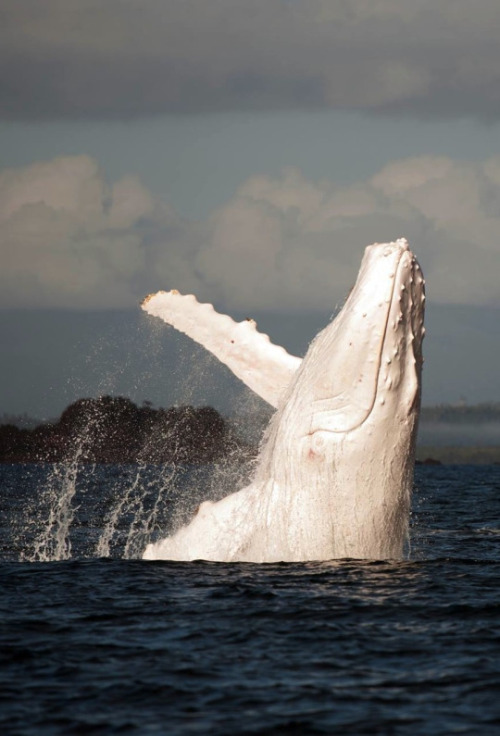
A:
(335, 472)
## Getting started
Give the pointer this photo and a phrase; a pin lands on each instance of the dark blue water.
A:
(115, 645)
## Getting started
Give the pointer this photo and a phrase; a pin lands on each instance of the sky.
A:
(246, 151)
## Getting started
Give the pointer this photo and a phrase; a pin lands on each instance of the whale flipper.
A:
(266, 369)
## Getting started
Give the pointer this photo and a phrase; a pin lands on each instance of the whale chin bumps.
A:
(335, 471)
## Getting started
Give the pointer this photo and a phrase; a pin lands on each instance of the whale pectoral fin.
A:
(265, 368)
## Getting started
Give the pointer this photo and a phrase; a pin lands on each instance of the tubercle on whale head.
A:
(368, 360)
(399, 382)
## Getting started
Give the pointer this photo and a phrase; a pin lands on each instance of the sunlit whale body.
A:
(334, 475)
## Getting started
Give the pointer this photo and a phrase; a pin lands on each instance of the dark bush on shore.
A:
(115, 430)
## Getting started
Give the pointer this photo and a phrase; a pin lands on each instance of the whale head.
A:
(346, 427)
(369, 359)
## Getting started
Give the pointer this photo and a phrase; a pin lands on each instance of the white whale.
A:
(335, 471)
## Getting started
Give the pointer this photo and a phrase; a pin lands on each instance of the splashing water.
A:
(144, 521)
(53, 542)
(90, 510)
(83, 509)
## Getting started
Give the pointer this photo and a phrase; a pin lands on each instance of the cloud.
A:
(291, 242)
(119, 60)
(68, 238)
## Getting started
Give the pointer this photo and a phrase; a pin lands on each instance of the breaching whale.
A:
(335, 471)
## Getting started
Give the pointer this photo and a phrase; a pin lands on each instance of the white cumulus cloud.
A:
(69, 238)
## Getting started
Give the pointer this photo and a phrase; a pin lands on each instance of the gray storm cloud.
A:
(69, 238)
(78, 59)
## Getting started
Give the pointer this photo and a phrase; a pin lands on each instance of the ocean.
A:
(96, 641)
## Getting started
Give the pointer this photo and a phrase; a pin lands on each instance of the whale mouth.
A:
(373, 347)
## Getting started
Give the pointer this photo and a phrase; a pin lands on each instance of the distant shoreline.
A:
(114, 430)
(461, 455)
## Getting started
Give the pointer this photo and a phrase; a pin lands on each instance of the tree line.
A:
(114, 430)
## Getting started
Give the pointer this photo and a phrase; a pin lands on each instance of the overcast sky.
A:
(248, 151)
(79, 59)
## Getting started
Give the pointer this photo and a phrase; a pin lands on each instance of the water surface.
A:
(111, 644)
